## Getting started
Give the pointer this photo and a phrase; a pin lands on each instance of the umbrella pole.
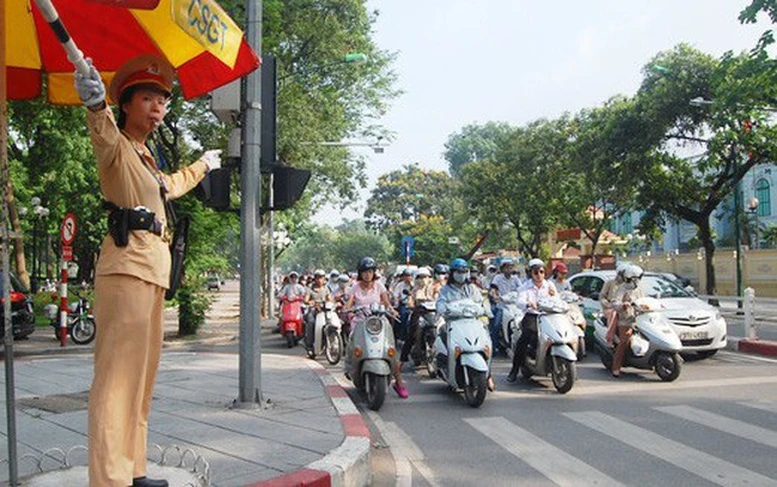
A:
(10, 399)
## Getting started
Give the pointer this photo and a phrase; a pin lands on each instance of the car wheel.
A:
(706, 353)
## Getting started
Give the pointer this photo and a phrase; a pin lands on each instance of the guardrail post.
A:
(750, 327)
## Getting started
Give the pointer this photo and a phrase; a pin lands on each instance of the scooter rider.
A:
(607, 297)
(422, 292)
(319, 293)
(402, 298)
(332, 283)
(440, 277)
(627, 293)
(501, 284)
(458, 288)
(529, 296)
(368, 291)
(559, 278)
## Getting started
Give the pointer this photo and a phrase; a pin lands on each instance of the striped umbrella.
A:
(203, 44)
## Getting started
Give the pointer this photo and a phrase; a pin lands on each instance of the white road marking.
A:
(745, 357)
(768, 406)
(713, 469)
(405, 452)
(721, 423)
(554, 463)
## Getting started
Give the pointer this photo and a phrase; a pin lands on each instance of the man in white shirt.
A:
(402, 296)
(332, 283)
(529, 296)
(501, 284)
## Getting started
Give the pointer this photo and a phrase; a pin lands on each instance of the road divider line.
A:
(721, 423)
(711, 468)
(554, 463)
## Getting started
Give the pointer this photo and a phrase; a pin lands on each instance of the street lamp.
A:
(38, 212)
(700, 101)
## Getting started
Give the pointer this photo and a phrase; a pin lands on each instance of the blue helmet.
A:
(459, 265)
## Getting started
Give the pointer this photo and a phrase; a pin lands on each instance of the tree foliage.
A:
(475, 143)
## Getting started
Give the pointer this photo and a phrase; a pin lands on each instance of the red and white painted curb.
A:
(348, 464)
(767, 348)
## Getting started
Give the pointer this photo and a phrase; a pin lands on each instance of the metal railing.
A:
(746, 306)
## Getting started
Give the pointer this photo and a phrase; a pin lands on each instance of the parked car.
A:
(699, 325)
(22, 313)
(214, 283)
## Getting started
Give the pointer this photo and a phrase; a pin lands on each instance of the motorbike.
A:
(469, 365)
(429, 322)
(293, 323)
(371, 354)
(575, 314)
(326, 334)
(654, 344)
(511, 321)
(554, 351)
(80, 324)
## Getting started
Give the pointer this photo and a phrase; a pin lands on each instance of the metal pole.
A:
(34, 281)
(10, 388)
(250, 382)
(271, 258)
(738, 231)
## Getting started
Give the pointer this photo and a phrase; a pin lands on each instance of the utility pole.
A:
(250, 352)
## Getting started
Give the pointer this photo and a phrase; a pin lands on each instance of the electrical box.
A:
(225, 102)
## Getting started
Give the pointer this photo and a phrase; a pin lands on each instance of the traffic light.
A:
(288, 185)
(214, 189)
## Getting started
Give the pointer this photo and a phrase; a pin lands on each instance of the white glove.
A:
(212, 159)
(90, 88)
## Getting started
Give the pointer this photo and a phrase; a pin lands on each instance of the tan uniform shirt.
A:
(125, 182)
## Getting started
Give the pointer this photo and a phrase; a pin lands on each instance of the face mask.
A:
(460, 277)
(631, 284)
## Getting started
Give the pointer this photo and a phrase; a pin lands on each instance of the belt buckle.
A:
(167, 235)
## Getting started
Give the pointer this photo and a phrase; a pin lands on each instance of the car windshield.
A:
(658, 286)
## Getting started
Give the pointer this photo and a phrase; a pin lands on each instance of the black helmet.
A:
(440, 269)
(366, 264)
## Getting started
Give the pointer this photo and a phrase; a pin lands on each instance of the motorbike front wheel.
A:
(83, 331)
(290, 342)
(475, 391)
(668, 366)
(375, 388)
(431, 361)
(333, 348)
(563, 374)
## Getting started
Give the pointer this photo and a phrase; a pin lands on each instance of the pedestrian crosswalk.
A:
(694, 446)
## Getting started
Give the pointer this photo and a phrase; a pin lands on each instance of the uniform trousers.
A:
(129, 316)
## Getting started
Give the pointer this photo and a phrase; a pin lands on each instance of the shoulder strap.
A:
(169, 210)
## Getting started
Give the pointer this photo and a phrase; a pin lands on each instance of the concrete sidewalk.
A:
(309, 427)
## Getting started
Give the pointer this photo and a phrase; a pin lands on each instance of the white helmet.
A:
(536, 263)
(621, 268)
(334, 273)
(423, 272)
(319, 273)
(633, 272)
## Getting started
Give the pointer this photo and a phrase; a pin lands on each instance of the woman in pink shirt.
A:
(368, 291)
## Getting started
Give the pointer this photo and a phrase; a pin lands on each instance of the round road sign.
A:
(68, 230)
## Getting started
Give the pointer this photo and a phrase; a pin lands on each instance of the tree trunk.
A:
(705, 235)
(16, 225)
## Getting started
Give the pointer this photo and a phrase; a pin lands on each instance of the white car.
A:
(699, 325)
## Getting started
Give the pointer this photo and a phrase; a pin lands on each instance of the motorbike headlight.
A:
(374, 326)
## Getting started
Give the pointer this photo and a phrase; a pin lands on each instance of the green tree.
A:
(514, 187)
(475, 143)
(408, 194)
(730, 134)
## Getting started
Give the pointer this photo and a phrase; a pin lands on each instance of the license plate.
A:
(693, 335)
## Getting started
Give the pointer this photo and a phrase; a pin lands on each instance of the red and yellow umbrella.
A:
(203, 44)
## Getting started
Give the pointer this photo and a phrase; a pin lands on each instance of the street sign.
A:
(67, 252)
(454, 240)
(408, 247)
(68, 230)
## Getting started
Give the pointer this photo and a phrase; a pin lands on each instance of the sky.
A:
(473, 61)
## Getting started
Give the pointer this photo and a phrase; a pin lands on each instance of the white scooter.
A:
(326, 334)
(512, 315)
(370, 355)
(469, 365)
(554, 351)
(654, 344)
(578, 319)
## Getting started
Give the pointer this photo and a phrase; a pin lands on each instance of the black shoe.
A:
(511, 378)
(147, 482)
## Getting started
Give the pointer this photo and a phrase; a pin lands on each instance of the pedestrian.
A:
(133, 270)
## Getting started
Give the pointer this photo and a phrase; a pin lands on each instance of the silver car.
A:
(699, 325)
